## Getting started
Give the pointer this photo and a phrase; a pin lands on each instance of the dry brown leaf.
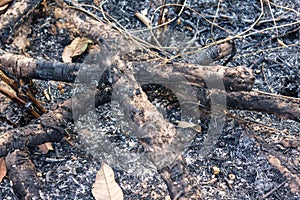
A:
(105, 186)
(76, 48)
(2, 169)
(46, 147)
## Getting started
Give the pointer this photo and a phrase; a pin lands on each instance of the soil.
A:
(241, 152)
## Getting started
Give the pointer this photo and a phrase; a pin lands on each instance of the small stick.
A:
(15, 98)
(272, 191)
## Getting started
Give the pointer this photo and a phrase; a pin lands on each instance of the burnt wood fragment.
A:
(14, 17)
(21, 172)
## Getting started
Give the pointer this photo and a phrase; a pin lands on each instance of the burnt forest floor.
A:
(242, 151)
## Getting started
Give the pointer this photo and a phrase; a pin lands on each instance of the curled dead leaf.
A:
(76, 48)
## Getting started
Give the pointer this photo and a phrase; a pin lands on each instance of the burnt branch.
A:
(163, 141)
(235, 79)
(29, 68)
(21, 172)
(280, 106)
(14, 17)
(48, 128)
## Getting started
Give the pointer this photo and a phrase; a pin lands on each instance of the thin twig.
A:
(272, 191)
(216, 14)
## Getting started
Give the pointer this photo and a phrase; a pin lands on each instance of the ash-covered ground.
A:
(241, 152)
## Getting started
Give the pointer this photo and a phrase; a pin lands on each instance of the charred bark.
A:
(163, 141)
(48, 128)
(280, 106)
(29, 68)
(14, 17)
(21, 172)
(235, 79)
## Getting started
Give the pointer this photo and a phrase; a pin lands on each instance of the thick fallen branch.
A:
(278, 105)
(234, 79)
(163, 141)
(238, 78)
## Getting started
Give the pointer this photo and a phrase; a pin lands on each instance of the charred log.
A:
(163, 141)
(235, 79)
(280, 106)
